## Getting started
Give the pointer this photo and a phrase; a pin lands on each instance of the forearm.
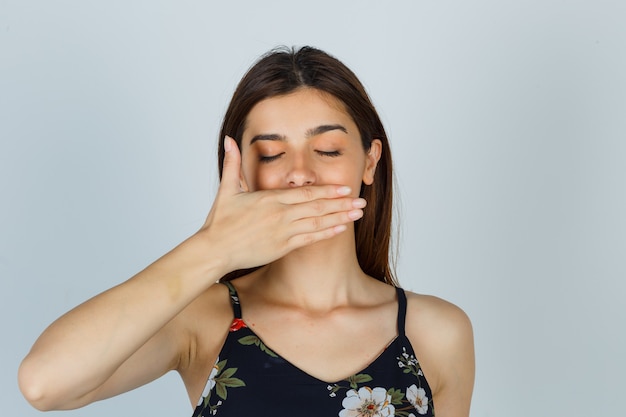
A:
(83, 348)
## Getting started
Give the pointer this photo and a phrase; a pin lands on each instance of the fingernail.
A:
(227, 144)
(355, 214)
(343, 190)
(359, 203)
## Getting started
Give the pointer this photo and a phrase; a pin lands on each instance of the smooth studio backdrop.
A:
(508, 126)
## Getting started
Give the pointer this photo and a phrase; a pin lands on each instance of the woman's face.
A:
(304, 138)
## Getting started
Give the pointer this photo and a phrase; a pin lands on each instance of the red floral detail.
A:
(237, 324)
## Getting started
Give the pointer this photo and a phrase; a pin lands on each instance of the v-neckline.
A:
(308, 374)
(235, 302)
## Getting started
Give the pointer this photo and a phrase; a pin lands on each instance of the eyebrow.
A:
(323, 129)
(309, 133)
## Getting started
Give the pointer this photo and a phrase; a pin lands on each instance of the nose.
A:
(300, 173)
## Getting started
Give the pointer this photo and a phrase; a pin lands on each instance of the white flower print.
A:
(418, 399)
(210, 383)
(367, 402)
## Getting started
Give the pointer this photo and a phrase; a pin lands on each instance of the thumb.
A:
(230, 171)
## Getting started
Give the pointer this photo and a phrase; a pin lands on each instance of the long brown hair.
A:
(282, 71)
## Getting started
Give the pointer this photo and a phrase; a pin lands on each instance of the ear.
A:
(371, 161)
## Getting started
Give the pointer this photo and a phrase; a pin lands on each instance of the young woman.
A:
(308, 319)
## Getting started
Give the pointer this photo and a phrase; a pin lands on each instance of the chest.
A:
(249, 378)
(328, 348)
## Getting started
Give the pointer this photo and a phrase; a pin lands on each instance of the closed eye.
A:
(270, 158)
(332, 154)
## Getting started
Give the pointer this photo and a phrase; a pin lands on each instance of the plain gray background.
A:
(508, 127)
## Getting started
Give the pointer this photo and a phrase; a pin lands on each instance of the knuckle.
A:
(276, 216)
(265, 197)
(316, 223)
(317, 206)
(308, 239)
(269, 201)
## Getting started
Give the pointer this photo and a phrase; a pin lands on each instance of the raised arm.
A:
(134, 332)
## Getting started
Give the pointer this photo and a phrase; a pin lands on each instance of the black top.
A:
(249, 379)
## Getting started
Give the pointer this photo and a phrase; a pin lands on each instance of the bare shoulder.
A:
(427, 312)
(441, 334)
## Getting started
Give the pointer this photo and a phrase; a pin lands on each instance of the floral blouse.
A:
(249, 379)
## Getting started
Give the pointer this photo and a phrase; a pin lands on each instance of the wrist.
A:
(207, 258)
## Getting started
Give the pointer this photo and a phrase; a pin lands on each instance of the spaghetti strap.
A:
(234, 299)
(401, 310)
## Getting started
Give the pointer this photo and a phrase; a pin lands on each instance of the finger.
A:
(230, 171)
(319, 223)
(312, 192)
(305, 239)
(323, 207)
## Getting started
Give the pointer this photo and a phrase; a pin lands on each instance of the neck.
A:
(317, 277)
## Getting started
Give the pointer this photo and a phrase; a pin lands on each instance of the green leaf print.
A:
(227, 373)
(357, 379)
(254, 340)
(396, 396)
(267, 350)
(225, 380)
(233, 382)
(249, 340)
(222, 382)
(220, 389)
(221, 365)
